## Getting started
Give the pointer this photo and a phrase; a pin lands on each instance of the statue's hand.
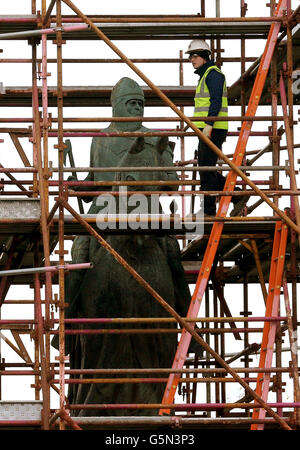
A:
(195, 347)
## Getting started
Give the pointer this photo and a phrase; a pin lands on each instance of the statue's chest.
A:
(109, 151)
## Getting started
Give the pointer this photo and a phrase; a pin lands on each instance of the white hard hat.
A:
(198, 45)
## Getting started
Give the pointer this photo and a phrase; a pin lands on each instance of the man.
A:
(211, 100)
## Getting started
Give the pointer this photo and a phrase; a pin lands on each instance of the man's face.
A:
(196, 60)
(135, 107)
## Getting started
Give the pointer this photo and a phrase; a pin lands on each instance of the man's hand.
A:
(207, 131)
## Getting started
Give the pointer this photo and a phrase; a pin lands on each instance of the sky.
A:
(95, 75)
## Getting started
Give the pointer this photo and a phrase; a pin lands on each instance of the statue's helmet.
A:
(126, 89)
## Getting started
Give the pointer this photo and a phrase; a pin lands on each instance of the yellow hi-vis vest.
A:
(202, 102)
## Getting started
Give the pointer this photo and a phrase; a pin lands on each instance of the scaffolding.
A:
(39, 218)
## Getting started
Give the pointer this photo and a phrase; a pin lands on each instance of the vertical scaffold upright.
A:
(38, 220)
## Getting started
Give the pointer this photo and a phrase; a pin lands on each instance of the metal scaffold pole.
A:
(242, 271)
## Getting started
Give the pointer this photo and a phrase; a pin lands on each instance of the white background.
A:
(108, 74)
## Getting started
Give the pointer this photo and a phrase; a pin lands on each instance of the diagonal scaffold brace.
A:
(245, 132)
(217, 228)
(185, 325)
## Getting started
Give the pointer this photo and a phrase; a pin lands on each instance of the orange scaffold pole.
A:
(245, 132)
(272, 307)
(217, 228)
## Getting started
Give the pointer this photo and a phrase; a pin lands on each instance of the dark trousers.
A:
(211, 181)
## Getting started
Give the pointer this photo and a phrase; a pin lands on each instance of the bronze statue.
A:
(109, 291)
(127, 100)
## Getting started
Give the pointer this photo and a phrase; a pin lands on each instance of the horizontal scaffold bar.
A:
(32, 33)
(187, 406)
(172, 320)
(144, 119)
(5, 273)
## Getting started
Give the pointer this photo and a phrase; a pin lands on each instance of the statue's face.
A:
(135, 107)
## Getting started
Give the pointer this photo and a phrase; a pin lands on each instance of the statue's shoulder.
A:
(153, 140)
(150, 140)
(100, 140)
